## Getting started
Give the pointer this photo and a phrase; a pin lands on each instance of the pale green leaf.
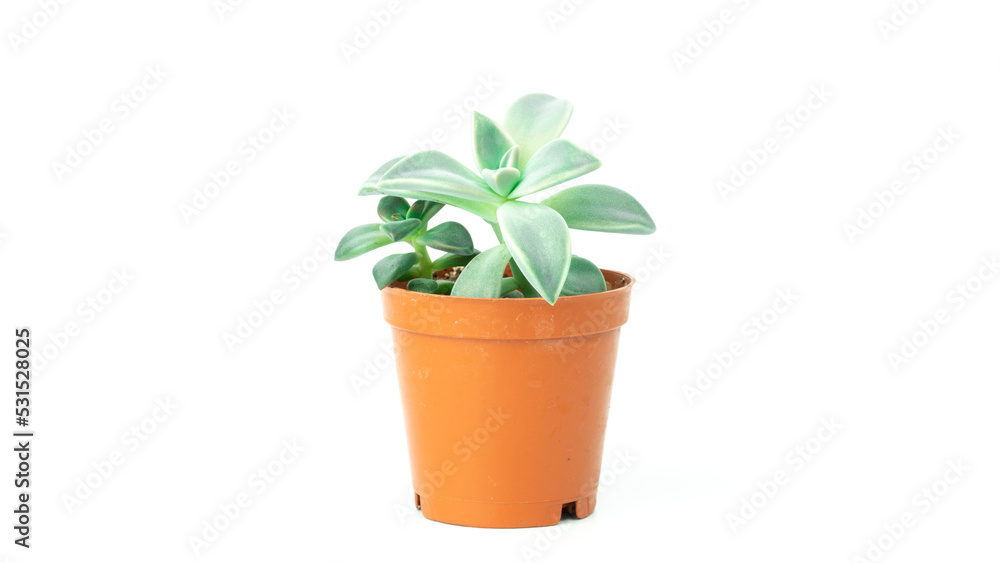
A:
(391, 205)
(392, 267)
(555, 163)
(538, 240)
(424, 210)
(491, 142)
(437, 173)
(360, 240)
(483, 277)
(399, 230)
(584, 277)
(452, 260)
(502, 181)
(435, 176)
(368, 187)
(512, 158)
(596, 207)
(535, 120)
(522, 282)
(448, 236)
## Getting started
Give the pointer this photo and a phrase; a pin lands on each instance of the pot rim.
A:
(626, 282)
(530, 318)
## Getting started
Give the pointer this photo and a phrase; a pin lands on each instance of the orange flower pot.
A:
(506, 401)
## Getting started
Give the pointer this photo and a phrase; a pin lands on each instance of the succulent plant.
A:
(402, 222)
(523, 156)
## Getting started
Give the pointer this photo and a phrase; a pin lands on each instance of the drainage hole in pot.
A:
(569, 508)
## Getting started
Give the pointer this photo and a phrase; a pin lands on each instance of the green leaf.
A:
(359, 240)
(435, 176)
(555, 163)
(596, 207)
(413, 272)
(392, 267)
(452, 260)
(368, 187)
(584, 277)
(399, 230)
(450, 237)
(422, 285)
(483, 276)
(491, 142)
(391, 205)
(431, 209)
(424, 209)
(513, 295)
(445, 287)
(437, 173)
(511, 158)
(522, 282)
(502, 181)
(507, 285)
(538, 240)
(535, 120)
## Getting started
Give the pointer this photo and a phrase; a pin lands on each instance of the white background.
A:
(679, 129)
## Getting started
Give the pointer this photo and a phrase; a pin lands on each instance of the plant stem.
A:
(424, 269)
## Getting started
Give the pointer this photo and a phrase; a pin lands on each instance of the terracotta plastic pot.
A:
(506, 401)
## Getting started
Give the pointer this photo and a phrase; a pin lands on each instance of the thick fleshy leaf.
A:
(392, 267)
(483, 277)
(488, 211)
(596, 207)
(535, 120)
(452, 260)
(413, 272)
(502, 181)
(368, 187)
(424, 285)
(512, 158)
(399, 230)
(391, 205)
(513, 295)
(449, 237)
(437, 173)
(359, 240)
(584, 277)
(431, 209)
(507, 285)
(522, 282)
(435, 176)
(491, 142)
(445, 287)
(424, 209)
(538, 240)
(555, 163)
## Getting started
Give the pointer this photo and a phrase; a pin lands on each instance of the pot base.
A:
(502, 515)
